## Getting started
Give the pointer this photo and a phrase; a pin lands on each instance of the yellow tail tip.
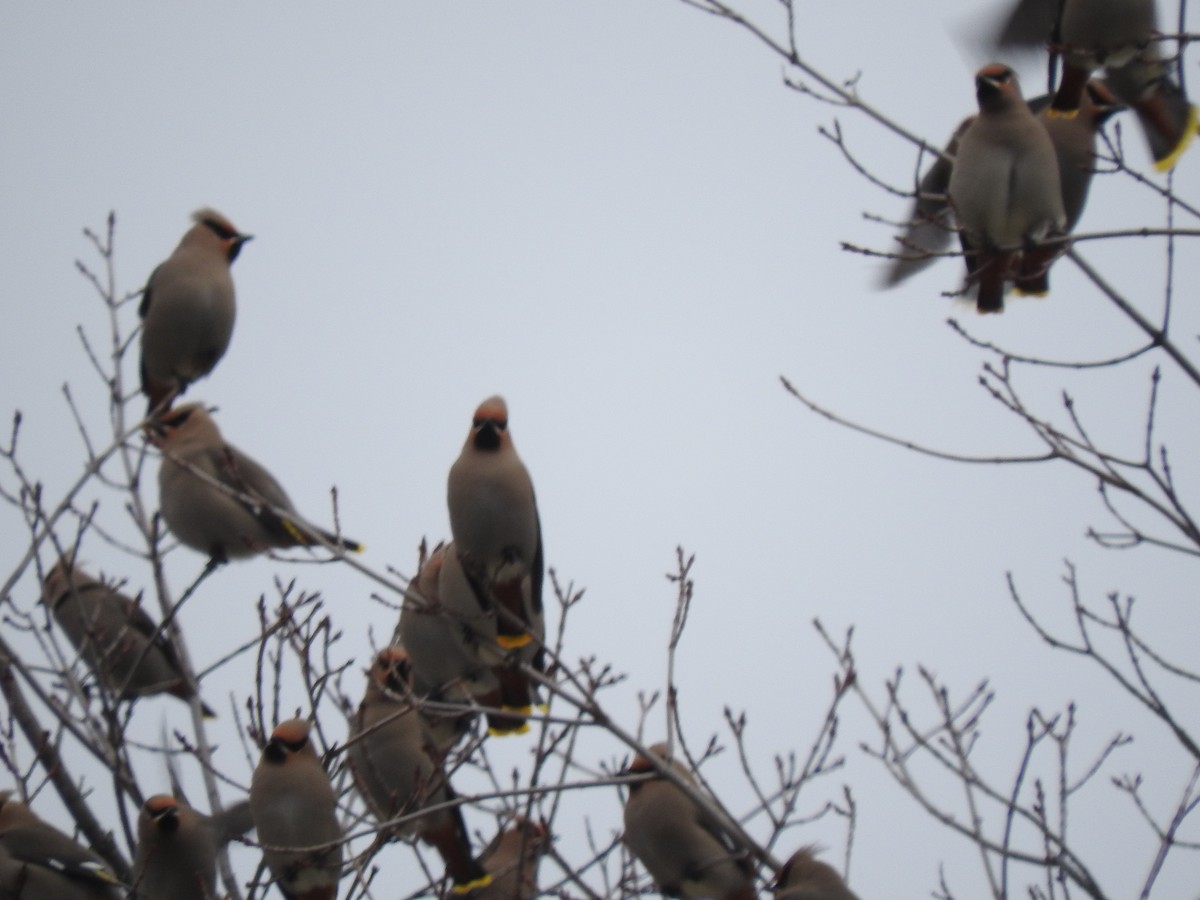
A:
(523, 728)
(297, 535)
(1023, 293)
(482, 881)
(512, 641)
(1167, 163)
(1052, 113)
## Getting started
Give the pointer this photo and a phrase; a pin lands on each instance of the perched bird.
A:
(244, 512)
(1005, 192)
(454, 642)
(121, 644)
(37, 861)
(1120, 36)
(686, 852)
(804, 877)
(931, 219)
(399, 772)
(443, 627)
(187, 308)
(177, 848)
(498, 541)
(293, 805)
(512, 860)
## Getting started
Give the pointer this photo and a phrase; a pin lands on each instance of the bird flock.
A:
(1012, 184)
(1013, 180)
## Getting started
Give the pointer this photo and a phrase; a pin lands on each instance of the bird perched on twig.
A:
(121, 644)
(39, 862)
(294, 809)
(512, 860)
(498, 541)
(188, 308)
(178, 846)
(1005, 192)
(218, 500)
(804, 877)
(399, 771)
(686, 852)
(931, 225)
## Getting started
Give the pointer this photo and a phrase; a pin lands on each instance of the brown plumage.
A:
(294, 809)
(121, 644)
(1120, 37)
(178, 846)
(498, 539)
(445, 629)
(236, 517)
(930, 224)
(39, 862)
(686, 852)
(188, 308)
(512, 860)
(399, 772)
(804, 877)
(1005, 191)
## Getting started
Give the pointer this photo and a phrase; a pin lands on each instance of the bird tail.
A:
(1169, 123)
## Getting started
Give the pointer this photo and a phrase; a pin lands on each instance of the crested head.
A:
(188, 421)
(60, 579)
(804, 870)
(641, 764)
(489, 427)
(996, 86)
(210, 222)
(392, 669)
(162, 812)
(287, 740)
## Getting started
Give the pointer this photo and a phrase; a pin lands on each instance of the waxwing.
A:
(930, 225)
(512, 860)
(498, 541)
(37, 861)
(1005, 192)
(244, 513)
(804, 877)
(399, 771)
(457, 649)
(187, 308)
(443, 626)
(178, 846)
(121, 644)
(293, 804)
(1118, 35)
(686, 853)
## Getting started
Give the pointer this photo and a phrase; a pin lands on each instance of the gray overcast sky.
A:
(614, 214)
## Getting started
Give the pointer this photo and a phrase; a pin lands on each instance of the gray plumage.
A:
(188, 308)
(804, 877)
(512, 860)
(686, 852)
(930, 225)
(39, 862)
(1005, 190)
(177, 848)
(399, 771)
(1118, 36)
(293, 805)
(498, 541)
(450, 638)
(237, 521)
(114, 635)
